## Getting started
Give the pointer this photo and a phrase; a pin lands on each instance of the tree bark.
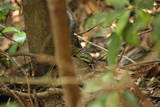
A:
(38, 30)
(37, 26)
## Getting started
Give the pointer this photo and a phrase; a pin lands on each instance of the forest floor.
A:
(142, 63)
(145, 68)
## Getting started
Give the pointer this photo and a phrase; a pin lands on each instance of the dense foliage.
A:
(126, 19)
(130, 18)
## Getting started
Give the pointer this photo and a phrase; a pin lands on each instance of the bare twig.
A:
(81, 33)
(41, 58)
(104, 49)
(141, 63)
(8, 38)
(14, 94)
(44, 94)
(40, 80)
(26, 77)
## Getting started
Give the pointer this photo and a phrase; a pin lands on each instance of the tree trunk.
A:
(39, 36)
(38, 30)
(37, 26)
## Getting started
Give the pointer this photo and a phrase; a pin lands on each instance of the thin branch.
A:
(41, 58)
(41, 80)
(61, 37)
(141, 64)
(44, 94)
(81, 33)
(8, 38)
(104, 49)
(91, 43)
(14, 95)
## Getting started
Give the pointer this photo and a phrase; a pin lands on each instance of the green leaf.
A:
(156, 31)
(10, 29)
(3, 16)
(3, 13)
(114, 49)
(108, 77)
(93, 86)
(143, 19)
(99, 33)
(95, 20)
(19, 37)
(103, 18)
(130, 35)
(122, 22)
(130, 99)
(13, 48)
(112, 16)
(117, 3)
(99, 102)
(1, 34)
(112, 100)
(7, 7)
(96, 103)
(144, 4)
(11, 105)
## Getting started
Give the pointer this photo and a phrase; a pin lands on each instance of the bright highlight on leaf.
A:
(10, 29)
(19, 37)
